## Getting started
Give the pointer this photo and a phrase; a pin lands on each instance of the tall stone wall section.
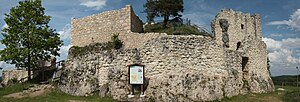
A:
(135, 22)
(99, 28)
(242, 32)
(239, 27)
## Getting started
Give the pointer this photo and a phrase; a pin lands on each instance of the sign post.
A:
(136, 75)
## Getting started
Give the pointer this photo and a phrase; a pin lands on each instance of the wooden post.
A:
(142, 89)
(132, 90)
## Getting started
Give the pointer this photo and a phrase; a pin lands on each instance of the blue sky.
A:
(280, 22)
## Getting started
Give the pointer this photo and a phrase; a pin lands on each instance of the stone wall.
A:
(178, 68)
(100, 27)
(136, 23)
(9, 75)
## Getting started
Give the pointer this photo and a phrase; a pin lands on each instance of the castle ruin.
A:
(177, 67)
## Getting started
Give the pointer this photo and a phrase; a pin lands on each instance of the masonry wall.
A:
(17, 75)
(240, 27)
(245, 29)
(136, 23)
(99, 28)
(178, 68)
(258, 75)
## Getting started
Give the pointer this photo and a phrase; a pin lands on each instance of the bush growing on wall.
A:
(114, 43)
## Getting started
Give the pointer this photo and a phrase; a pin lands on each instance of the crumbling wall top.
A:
(240, 27)
(100, 27)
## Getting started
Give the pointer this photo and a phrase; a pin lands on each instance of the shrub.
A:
(175, 29)
(115, 43)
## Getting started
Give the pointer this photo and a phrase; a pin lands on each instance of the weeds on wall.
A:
(174, 28)
(114, 44)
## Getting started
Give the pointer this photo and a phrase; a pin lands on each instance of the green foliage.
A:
(76, 50)
(13, 89)
(179, 29)
(115, 43)
(151, 10)
(293, 96)
(28, 37)
(163, 8)
(287, 80)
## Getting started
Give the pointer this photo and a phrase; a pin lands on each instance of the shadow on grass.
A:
(290, 94)
(53, 95)
(14, 88)
(293, 96)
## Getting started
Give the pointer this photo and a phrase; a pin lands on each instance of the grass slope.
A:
(54, 95)
(291, 94)
(287, 80)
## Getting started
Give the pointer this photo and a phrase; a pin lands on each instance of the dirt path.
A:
(37, 90)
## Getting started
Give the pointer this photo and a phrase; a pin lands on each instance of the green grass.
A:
(53, 95)
(13, 89)
(291, 94)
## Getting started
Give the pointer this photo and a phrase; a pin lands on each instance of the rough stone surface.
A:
(177, 67)
(9, 75)
(100, 27)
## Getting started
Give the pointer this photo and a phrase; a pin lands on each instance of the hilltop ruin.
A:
(177, 67)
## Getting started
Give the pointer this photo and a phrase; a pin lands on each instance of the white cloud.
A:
(64, 34)
(282, 55)
(96, 4)
(293, 22)
(272, 44)
(6, 66)
(64, 52)
(4, 26)
(289, 43)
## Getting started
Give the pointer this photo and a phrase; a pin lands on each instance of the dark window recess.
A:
(242, 26)
(244, 62)
(224, 26)
(238, 45)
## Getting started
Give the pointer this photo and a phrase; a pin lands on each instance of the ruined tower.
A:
(242, 33)
(237, 27)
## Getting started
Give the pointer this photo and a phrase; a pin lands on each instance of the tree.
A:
(151, 10)
(28, 37)
(164, 8)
